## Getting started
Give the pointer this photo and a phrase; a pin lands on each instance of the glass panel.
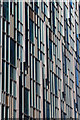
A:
(6, 10)
(36, 8)
(53, 12)
(19, 38)
(31, 92)
(77, 80)
(7, 77)
(21, 17)
(3, 75)
(34, 95)
(14, 103)
(7, 48)
(26, 102)
(55, 78)
(14, 89)
(12, 52)
(14, 112)
(3, 46)
(12, 73)
(48, 110)
(31, 30)
(7, 112)
(50, 49)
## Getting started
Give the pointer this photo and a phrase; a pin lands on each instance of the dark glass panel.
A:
(12, 52)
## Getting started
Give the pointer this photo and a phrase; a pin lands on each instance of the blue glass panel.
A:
(71, 2)
(36, 9)
(45, 10)
(77, 79)
(6, 10)
(48, 110)
(31, 30)
(50, 49)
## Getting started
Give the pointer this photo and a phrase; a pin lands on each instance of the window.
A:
(3, 111)
(38, 38)
(14, 88)
(3, 46)
(31, 92)
(79, 14)
(7, 77)
(26, 101)
(26, 32)
(12, 73)
(36, 30)
(55, 78)
(6, 10)
(12, 52)
(77, 79)
(45, 9)
(47, 110)
(14, 103)
(7, 45)
(17, 51)
(34, 94)
(67, 35)
(71, 3)
(31, 4)
(38, 89)
(31, 30)
(50, 49)
(3, 74)
(42, 6)
(36, 7)
(65, 65)
(19, 38)
(18, 10)
(38, 71)
(47, 37)
(21, 54)
(26, 21)
(11, 8)
(77, 46)
(7, 112)
(21, 17)
(53, 14)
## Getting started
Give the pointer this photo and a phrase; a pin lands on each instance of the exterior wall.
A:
(39, 60)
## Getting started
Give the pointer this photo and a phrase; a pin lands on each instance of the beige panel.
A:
(31, 112)
(18, 67)
(31, 14)
(34, 113)
(28, 82)
(7, 100)
(37, 114)
(12, 26)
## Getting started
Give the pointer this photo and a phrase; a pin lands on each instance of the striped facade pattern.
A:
(39, 59)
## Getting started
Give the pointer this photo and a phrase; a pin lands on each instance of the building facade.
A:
(40, 59)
